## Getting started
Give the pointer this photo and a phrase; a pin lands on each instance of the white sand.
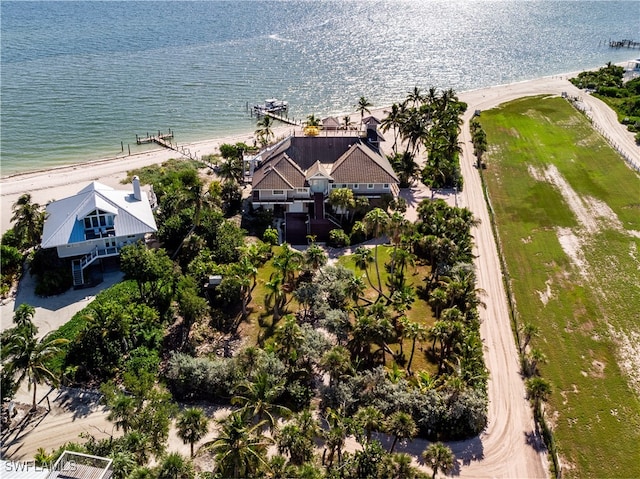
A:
(506, 447)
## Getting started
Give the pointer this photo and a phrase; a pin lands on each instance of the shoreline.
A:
(60, 181)
(103, 159)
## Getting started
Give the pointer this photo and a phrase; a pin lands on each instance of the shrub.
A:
(338, 238)
(200, 378)
(271, 236)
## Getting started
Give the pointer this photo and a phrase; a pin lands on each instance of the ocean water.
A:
(79, 78)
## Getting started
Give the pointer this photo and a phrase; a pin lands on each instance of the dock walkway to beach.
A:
(283, 119)
(160, 139)
(624, 44)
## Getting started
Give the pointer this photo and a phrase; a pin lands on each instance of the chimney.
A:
(136, 188)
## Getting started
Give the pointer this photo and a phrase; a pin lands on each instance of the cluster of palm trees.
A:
(428, 123)
(479, 141)
(25, 356)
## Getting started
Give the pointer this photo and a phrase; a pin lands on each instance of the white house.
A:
(96, 223)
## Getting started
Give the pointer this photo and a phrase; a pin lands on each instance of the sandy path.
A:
(508, 447)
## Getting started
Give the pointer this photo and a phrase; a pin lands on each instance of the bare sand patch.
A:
(628, 355)
(572, 246)
(547, 294)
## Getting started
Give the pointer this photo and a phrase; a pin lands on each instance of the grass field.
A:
(568, 215)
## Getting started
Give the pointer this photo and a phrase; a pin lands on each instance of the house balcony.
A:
(97, 233)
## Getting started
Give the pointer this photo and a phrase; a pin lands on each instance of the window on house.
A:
(370, 186)
(343, 185)
(356, 186)
(386, 186)
(333, 187)
(278, 192)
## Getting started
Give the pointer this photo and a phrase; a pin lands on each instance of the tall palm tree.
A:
(401, 426)
(287, 262)
(264, 131)
(29, 357)
(439, 458)
(346, 122)
(192, 425)
(362, 107)
(394, 119)
(28, 219)
(240, 450)
(415, 332)
(276, 297)
(405, 166)
(343, 200)
(376, 222)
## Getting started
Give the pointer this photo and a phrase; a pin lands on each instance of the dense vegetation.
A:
(429, 122)
(307, 353)
(608, 85)
(569, 270)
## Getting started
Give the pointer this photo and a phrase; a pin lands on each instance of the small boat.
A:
(271, 105)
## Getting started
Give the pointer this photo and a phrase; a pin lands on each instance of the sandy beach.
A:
(507, 448)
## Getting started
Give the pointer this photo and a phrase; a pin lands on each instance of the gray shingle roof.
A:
(345, 159)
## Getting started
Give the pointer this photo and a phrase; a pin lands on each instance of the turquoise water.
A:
(79, 78)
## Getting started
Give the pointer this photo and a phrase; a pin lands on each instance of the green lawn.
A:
(584, 297)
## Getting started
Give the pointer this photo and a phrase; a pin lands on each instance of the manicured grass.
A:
(594, 409)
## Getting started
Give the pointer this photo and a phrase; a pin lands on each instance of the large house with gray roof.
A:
(96, 223)
(298, 174)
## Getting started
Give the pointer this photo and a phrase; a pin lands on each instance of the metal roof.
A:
(132, 217)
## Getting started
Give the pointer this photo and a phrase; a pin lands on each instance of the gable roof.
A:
(343, 159)
(63, 223)
(351, 166)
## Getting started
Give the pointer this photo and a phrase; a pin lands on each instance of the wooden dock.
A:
(624, 44)
(160, 139)
(282, 118)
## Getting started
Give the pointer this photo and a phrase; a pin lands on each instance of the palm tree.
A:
(531, 361)
(376, 222)
(336, 362)
(240, 450)
(28, 219)
(538, 390)
(363, 258)
(401, 426)
(529, 331)
(346, 122)
(297, 438)
(287, 262)
(23, 318)
(362, 107)
(405, 166)
(264, 131)
(370, 419)
(439, 458)
(342, 200)
(315, 257)
(122, 411)
(394, 119)
(288, 339)
(30, 357)
(276, 296)
(174, 466)
(415, 332)
(257, 399)
(192, 426)
(335, 437)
